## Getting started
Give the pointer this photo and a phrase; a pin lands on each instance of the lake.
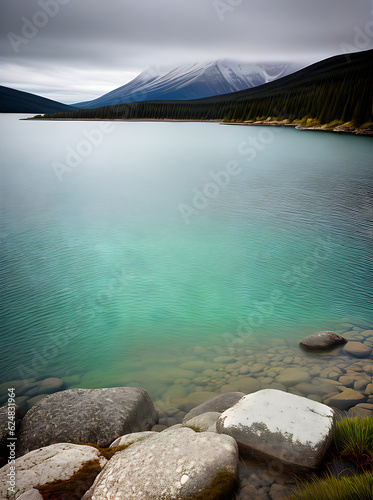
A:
(159, 254)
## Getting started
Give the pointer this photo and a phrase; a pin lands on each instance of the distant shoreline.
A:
(122, 120)
(339, 129)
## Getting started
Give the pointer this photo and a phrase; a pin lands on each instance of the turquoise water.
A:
(166, 237)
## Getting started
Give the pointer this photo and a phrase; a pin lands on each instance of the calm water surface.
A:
(126, 248)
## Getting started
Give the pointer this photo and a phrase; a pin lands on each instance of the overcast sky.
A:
(75, 50)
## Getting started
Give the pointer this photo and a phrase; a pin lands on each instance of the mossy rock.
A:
(75, 487)
(220, 489)
(108, 452)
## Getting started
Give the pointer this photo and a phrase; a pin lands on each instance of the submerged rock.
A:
(45, 386)
(51, 384)
(224, 360)
(195, 399)
(357, 349)
(346, 399)
(275, 425)
(58, 462)
(322, 340)
(177, 463)
(245, 384)
(292, 376)
(97, 416)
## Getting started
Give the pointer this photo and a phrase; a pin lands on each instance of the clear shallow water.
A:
(135, 260)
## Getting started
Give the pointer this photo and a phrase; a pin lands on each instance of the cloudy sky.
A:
(75, 50)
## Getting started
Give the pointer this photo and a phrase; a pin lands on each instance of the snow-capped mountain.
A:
(193, 81)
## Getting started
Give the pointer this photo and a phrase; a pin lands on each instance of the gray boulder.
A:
(6, 425)
(275, 425)
(219, 403)
(322, 340)
(132, 438)
(30, 495)
(97, 416)
(58, 462)
(206, 422)
(177, 463)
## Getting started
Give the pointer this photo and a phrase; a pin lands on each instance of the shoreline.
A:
(340, 129)
(131, 425)
(210, 369)
(338, 379)
(122, 120)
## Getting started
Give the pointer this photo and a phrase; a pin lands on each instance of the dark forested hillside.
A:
(16, 101)
(336, 90)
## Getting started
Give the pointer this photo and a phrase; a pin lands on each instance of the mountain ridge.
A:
(192, 81)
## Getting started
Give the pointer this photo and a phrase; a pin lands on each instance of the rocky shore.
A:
(244, 425)
(340, 129)
(63, 444)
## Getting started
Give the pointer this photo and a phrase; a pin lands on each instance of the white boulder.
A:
(275, 425)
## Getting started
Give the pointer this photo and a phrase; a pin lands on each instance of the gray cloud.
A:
(73, 50)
